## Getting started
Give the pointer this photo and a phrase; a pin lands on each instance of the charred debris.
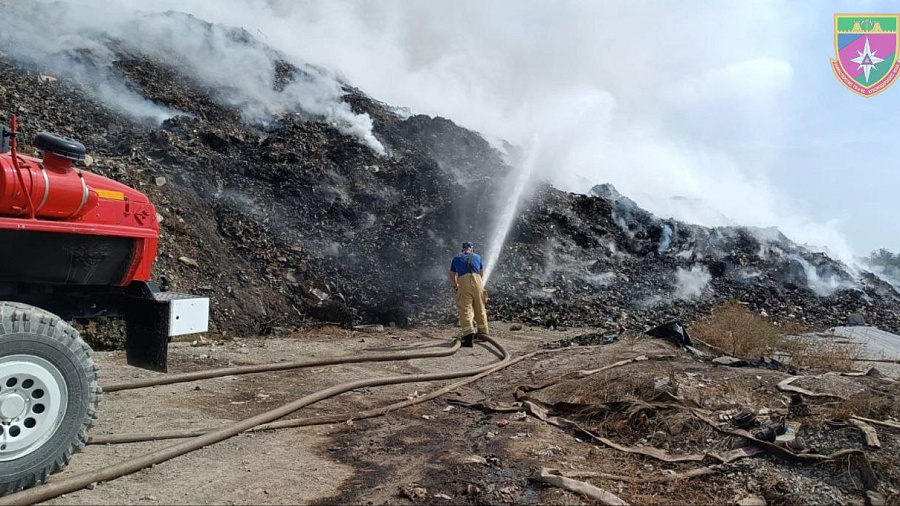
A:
(288, 221)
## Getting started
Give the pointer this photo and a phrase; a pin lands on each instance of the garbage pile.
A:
(291, 221)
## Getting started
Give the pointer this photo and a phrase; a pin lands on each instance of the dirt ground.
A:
(444, 452)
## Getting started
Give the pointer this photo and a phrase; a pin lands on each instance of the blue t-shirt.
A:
(460, 263)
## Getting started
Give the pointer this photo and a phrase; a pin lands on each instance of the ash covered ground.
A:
(289, 218)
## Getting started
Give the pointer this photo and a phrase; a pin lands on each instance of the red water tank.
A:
(55, 187)
(86, 229)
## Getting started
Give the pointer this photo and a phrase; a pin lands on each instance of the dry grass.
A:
(736, 330)
(820, 353)
(880, 406)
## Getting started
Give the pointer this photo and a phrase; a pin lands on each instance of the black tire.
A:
(31, 334)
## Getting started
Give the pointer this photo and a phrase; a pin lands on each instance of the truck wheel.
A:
(48, 395)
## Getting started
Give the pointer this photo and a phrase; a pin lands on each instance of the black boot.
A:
(468, 340)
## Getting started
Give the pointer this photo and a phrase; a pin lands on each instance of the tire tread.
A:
(17, 317)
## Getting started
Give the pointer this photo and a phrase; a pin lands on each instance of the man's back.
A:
(465, 263)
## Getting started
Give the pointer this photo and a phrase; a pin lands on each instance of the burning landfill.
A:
(279, 194)
(279, 216)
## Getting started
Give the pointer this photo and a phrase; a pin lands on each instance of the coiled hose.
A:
(56, 488)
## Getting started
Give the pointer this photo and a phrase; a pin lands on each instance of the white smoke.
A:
(689, 284)
(240, 71)
(665, 240)
(619, 93)
(822, 285)
(633, 93)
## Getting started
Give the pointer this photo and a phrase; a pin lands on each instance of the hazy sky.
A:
(730, 105)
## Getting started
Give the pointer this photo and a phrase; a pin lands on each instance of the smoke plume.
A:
(689, 284)
(241, 71)
(632, 94)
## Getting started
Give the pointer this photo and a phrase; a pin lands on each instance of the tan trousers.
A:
(470, 302)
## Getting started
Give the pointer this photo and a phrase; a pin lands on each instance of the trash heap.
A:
(288, 222)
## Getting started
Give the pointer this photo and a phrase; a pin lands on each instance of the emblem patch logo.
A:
(867, 47)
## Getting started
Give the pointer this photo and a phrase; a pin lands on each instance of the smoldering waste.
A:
(289, 220)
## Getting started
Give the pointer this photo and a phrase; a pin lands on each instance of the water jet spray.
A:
(510, 209)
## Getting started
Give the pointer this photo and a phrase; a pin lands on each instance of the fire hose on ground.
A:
(56, 488)
(170, 379)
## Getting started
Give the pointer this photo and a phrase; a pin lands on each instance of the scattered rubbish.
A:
(188, 261)
(871, 372)
(883, 423)
(762, 363)
(753, 500)
(866, 473)
(503, 422)
(160, 181)
(552, 477)
(775, 448)
(875, 498)
(427, 417)
(472, 489)
(694, 351)
(589, 339)
(584, 373)
(798, 407)
(371, 329)
(745, 418)
(652, 387)
(785, 385)
(413, 493)
(668, 475)
(737, 454)
(447, 409)
(442, 496)
(45, 78)
(868, 431)
(319, 294)
(790, 438)
(474, 459)
(673, 331)
(856, 320)
(521, 415)
(547, 452)
(543, 414)
(489, 405)
(490, 435)
(508, 493)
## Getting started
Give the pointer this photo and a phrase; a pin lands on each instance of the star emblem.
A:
(867, 60)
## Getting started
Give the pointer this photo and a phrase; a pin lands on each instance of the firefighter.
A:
(466, 271)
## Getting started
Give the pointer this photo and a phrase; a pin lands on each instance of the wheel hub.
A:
(33, 401)
(11, 406)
